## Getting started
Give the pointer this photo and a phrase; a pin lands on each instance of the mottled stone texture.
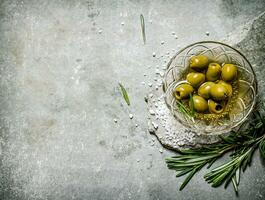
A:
(59, 96)
(253, 47)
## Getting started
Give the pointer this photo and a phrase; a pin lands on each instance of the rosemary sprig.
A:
(143, 28)
(243, 143)
(192, 160)
(124, 94)
(241, 158)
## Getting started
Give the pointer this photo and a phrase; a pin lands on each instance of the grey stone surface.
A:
(60, 64)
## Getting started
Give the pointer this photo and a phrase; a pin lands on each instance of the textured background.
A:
(59, 96)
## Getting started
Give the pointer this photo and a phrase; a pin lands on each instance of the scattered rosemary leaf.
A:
(143, 28)
(124, 94)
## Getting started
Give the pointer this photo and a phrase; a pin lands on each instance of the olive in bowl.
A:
(195, 79)
(199, 62)
(183, 91)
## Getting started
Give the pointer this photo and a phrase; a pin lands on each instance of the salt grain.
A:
(155, 125)
(152, 112)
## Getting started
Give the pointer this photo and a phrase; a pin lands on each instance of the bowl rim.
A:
(255, 84)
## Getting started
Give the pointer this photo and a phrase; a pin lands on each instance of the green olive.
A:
(199, 104)
(215, 107)
(199, 62)
(213, 72)
(218, 92)
(229, 72)
(228, 87)
(204, 89)
(195, 79)
(183, 91)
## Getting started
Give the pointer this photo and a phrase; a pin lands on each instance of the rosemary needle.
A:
(143, 28)
(124, 94)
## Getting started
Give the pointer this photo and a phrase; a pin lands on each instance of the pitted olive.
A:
(218, 92)
(213, 72)
(199, 104)
(229, 72)
(215, 107)
(228, 87)
(204, 89)
(199, 62)
(183, 91)
(195, 79)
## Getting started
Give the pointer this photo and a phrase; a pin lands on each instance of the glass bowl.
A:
(244, 92)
